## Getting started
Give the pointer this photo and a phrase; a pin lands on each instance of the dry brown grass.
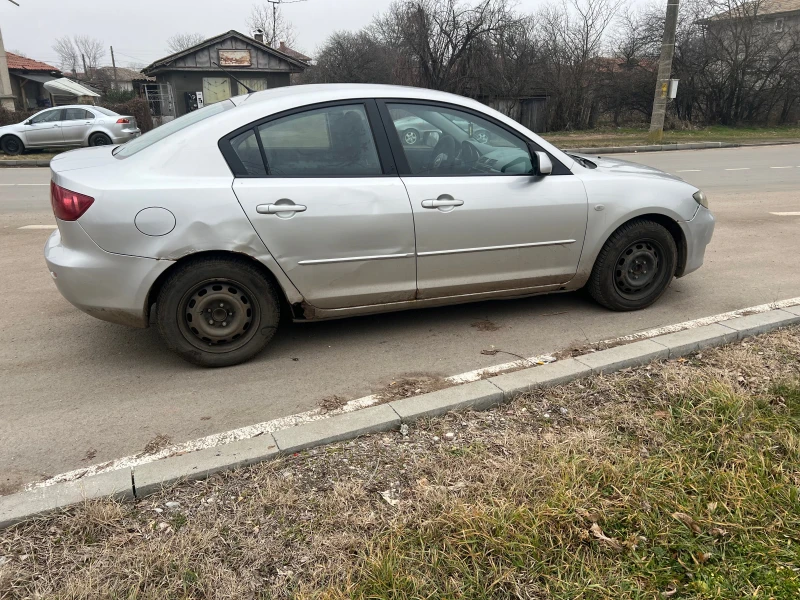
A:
(672, 479)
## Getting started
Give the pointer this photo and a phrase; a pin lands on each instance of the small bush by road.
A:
(676, 480)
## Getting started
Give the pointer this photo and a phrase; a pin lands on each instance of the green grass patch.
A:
(712, 510)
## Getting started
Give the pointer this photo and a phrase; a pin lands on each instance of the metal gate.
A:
(161, 100)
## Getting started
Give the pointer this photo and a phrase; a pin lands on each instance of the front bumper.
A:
(698, 234)
(111, 287)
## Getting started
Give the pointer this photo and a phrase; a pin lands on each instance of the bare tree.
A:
(19, 53)
(270, 20)
(182, 41)
(69, 55)
(352, 58)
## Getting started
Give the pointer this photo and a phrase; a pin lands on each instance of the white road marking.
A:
(789, 167)
(38, 227)
(688, 171)
(786, 214)
(251, 431)
(739, 169)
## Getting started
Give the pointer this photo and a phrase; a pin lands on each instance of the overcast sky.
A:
(138, 30)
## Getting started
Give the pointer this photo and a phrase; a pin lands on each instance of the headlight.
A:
(701, 199)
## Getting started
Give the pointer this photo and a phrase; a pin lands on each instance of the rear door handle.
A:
(274, 209)
(441, 202)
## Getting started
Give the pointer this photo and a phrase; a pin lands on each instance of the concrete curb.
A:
(669, 147)
(151, 477)
(24, 163)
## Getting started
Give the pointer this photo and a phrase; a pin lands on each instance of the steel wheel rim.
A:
(639, 269)
(410, 137)
(101, 140)
(12, 146)
(218, 316)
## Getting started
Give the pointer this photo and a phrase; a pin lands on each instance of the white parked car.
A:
(75, 125)
(305, 200)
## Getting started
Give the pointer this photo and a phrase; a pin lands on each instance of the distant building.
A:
(777, 16)
(28, 77)
(180, 76)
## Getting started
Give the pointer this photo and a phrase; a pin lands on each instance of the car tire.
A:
(99, 139)
(411, 137)
(12, 145)
(191, 307)
(635, 266)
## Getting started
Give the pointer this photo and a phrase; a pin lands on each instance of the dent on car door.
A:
(334, 216)
(483, 221)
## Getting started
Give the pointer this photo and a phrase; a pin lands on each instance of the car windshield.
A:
(159, 133)
(104, 111)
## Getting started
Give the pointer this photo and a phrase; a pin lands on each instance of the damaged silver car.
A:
(308, 201)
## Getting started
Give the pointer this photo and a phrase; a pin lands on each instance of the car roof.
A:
(321, 92)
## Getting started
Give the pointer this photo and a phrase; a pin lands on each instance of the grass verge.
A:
(630, 136)
(679, 479)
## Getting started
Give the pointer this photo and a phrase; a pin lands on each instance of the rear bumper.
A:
(698, 234)
(110, 287)
(123, 136)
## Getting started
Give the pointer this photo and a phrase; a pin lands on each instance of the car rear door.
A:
(44, 129)
(483, 222)
(76, 124)
(321, 190)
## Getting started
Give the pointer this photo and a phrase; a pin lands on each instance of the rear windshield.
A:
(104, 111)
(159, 133)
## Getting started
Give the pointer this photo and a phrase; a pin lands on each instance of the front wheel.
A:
(217, 312)
(12, 145)
(635, 266)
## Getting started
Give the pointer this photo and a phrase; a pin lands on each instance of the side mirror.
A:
(544, 166)
(28, 122)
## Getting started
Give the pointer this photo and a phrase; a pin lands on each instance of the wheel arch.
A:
(287, 308)
(668, 223)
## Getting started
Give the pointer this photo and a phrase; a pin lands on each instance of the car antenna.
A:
(236, 79)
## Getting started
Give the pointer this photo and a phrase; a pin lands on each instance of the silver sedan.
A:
(305, 202)
(74, 125)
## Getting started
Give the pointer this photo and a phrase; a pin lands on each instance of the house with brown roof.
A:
(28, 77)
(776, 16)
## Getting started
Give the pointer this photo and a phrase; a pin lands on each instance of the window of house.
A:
(325, 142)
(216, 89)
(778, 25)
(257, 84)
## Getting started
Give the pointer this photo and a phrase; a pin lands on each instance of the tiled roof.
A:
(27, 64)
(294, 53)
(760, 7)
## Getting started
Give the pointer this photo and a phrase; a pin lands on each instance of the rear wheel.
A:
(411, 137)
(99, 139)
(635, 266)
(217, 312)
(12, 145)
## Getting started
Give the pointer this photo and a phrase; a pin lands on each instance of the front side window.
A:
(445, 141)
(325, 142)
(48, 116)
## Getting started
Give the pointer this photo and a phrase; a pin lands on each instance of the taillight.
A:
(67, 205)
(123, 120)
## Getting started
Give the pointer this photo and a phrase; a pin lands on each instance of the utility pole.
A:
(275, 4)
(656, 134)
(85, 71)
(6, 97)
(114, 64)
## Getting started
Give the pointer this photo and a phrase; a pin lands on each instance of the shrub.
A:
(10, 117)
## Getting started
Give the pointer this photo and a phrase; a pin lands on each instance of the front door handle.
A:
(274, 209)
(441, 202)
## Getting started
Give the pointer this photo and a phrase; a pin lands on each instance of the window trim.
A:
(374, 121)
(404, 168)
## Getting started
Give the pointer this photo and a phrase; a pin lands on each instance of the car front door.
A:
(76, 125)
(483, 221)
(44, 129)
(327, 204)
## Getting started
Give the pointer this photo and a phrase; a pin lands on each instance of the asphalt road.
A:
(76, 391)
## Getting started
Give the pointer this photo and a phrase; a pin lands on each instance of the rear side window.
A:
(246, 148)
(77, 114)
(323, 142)
(159, 133)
